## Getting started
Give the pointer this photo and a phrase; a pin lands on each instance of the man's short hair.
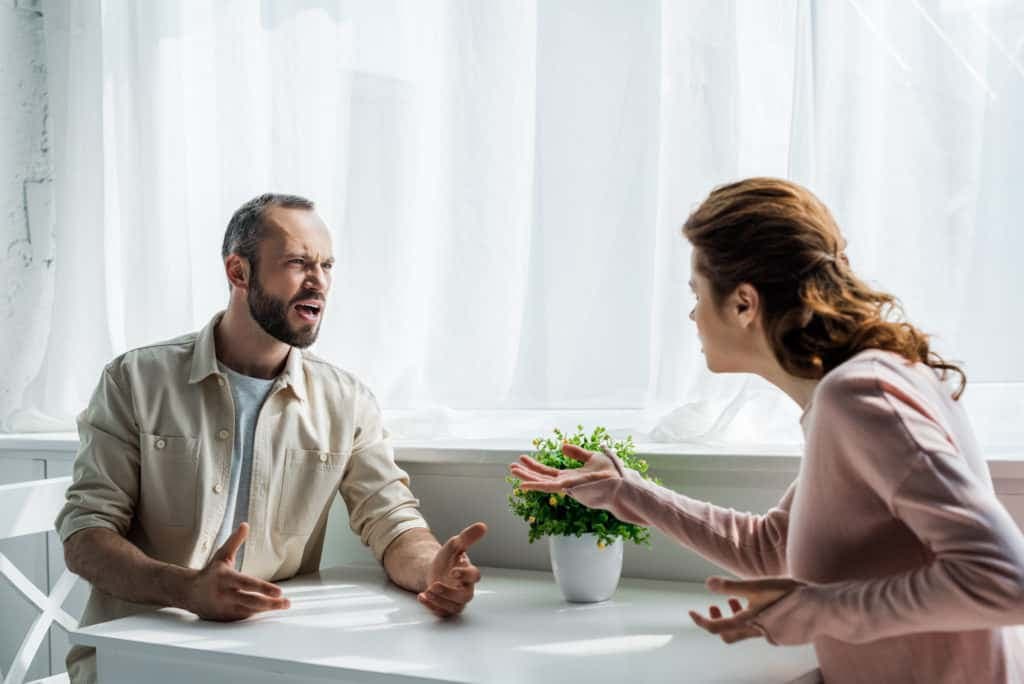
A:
(245, 229)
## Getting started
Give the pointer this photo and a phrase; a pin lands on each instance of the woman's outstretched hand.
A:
(535, 476)
(760, 594)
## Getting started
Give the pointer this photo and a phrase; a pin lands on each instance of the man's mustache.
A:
(307, 294)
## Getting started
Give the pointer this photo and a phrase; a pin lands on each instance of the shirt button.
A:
(218, 488)
(160, 444)
(323, 458)
(220, 381)
(223, 434)
(205, 546)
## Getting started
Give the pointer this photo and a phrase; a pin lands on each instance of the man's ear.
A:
(745, 304)
(237, 269)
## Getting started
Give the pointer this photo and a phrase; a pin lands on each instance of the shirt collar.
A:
(204, 361)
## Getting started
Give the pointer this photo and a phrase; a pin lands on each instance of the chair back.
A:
(30, 508)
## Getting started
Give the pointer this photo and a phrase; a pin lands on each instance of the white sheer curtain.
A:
(506, 181)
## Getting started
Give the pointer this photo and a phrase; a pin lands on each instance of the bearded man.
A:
(208, 463)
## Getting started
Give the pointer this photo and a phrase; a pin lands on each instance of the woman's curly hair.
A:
(778, 237)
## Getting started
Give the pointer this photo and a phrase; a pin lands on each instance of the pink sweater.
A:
(913, 568)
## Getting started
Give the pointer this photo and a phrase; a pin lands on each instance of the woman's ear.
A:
(745, 304)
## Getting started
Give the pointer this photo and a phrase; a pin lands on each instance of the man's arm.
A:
(443, 576)
(407, 559)
(384, 513)
(117, 567)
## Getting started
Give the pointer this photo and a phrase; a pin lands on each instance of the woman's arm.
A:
(746, 544)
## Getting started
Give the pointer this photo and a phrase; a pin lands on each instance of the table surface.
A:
(517, 629)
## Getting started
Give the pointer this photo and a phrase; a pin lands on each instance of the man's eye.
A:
(328, 266)
(296, 261)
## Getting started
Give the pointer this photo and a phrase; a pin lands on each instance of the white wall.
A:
(26, 234)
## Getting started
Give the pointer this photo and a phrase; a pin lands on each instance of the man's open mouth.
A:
(309, 311)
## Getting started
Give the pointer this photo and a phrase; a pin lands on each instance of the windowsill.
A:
(662, 457)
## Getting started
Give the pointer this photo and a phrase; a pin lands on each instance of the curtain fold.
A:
(506, 182)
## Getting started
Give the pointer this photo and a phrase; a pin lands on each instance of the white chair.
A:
(30, 508)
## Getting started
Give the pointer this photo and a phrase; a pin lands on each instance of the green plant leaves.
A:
(562, 515)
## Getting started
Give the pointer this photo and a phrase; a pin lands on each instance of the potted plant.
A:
(585, 543)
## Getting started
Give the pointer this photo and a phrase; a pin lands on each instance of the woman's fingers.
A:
(576, 453)
(527, 475)
(537, 466)
(740, 634)
(541, 486)
(567, 479)
(723, 624)
(759, 594)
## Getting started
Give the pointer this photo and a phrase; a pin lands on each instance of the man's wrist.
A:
(178, 583)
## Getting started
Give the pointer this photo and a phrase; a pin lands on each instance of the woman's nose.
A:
(693, 311)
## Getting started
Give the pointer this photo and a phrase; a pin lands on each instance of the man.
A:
(208, 463)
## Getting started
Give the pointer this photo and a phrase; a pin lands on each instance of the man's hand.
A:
(219, 592)
(452, 576)
(760, 594)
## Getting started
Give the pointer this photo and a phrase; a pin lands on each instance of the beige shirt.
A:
(155, 453)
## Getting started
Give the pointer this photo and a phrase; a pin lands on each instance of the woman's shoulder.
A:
(882, 396)
(873, 373)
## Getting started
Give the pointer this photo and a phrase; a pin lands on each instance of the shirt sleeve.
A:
(746, 544)
(376, 491)
(975, 576)
(105, 478)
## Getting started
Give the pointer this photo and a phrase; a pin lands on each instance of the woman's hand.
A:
(760, 594)
(535, 476)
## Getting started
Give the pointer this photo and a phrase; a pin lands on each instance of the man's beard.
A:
(272, 315)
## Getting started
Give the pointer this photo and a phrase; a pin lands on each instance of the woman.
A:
(890, 552)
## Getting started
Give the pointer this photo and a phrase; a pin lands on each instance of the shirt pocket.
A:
(308, 487)
(168, 475)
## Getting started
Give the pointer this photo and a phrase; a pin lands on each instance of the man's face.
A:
(290, 281)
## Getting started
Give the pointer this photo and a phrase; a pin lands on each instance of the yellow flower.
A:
(553, 500)
(600, 544)
(536, 442)
(517, 491)
(531, 520)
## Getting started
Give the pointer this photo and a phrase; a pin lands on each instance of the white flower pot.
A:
(585, 572)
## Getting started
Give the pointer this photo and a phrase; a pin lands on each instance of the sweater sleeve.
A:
(746, 544)
(975, 576)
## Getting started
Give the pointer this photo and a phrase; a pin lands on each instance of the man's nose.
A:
(316, 279)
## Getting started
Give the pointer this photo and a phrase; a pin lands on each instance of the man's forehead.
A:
(296, 230)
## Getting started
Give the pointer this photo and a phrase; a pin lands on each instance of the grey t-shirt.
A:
(249, 394)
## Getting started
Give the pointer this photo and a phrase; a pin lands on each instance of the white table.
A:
(349, 624)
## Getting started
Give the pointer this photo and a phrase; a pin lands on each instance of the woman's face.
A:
(725, 340)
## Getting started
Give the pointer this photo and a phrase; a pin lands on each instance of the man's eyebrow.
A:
(305, 255)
